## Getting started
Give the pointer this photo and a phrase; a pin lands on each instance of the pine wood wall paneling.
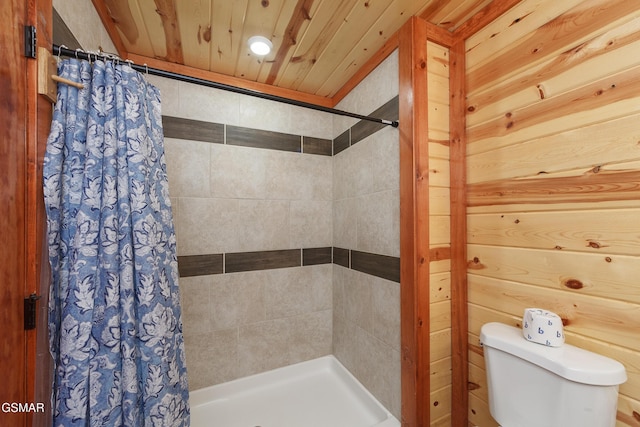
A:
(483, 17)
(439, 230)
(569, 29)
(414, 228)
(610, 142)
(622, 88)
(586, 62)
(591, 187)
(573, 230)
(446, 14)
(513, 25)
(563, 234)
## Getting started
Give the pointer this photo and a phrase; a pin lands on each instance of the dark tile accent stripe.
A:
(262, 260)
(255, 138)
(364, 128)
(386, 267)
(320, 146)
(341, 142)
(199, 265)
(315, 256)
(194, 130)
(341, 257)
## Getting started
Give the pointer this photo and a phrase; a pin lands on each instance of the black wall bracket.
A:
(30, 311)
(30, 44)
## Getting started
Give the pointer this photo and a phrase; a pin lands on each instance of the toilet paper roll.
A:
(542, 327)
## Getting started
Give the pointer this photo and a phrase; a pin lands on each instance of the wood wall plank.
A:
(593, 186)
(458, 234)
(440, 344)
(601, 143)
(568, 29)
(483, 17)
(580, 231)
(602, 275)
(440, 404)
(580, 65)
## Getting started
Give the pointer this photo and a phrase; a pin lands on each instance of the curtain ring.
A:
(146, 67)
(77, 53)
(60, 48)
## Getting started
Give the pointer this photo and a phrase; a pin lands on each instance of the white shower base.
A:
(317, 393)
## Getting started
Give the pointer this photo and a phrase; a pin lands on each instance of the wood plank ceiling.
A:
(318, 44)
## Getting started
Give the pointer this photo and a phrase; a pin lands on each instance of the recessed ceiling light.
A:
(260, 45)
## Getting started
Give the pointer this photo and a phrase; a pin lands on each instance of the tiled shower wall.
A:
(288, 232)
(366, 219)
(242, 214)
(288, 250)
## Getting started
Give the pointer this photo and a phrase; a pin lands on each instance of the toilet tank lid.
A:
(572, 363)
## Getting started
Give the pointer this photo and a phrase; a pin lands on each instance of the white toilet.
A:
(532, 385)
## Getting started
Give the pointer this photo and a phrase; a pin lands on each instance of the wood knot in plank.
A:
(265, 3)
(573, 284)
(472, 386)
(595, 245)
(518, 19)
(475, 264)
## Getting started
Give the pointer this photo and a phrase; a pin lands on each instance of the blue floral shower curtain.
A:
(115, 327)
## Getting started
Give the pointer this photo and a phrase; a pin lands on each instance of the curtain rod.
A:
(90, 56)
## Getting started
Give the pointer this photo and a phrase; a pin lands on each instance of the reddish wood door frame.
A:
(24, 122)
(13, 227)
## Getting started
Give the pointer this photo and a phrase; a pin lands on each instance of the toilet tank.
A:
(531, 385)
